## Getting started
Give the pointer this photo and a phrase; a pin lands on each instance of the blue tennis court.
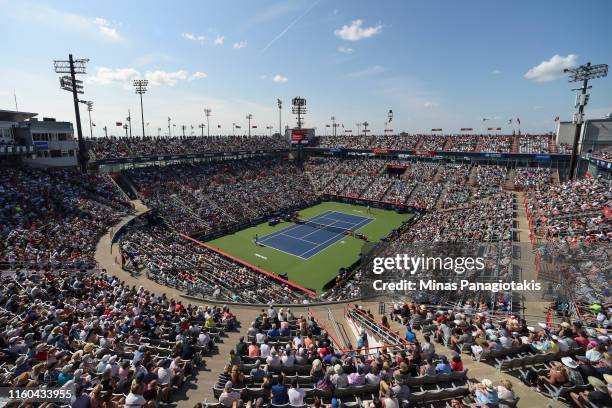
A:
(305, 241)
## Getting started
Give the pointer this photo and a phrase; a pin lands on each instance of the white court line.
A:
(335, 236)
(284, 252)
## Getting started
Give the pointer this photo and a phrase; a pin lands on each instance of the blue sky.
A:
(442, 64)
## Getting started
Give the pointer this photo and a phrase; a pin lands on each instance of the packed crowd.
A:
(603, 154)
(535, 144)
(451, 143)
(208, 197)
(120, 147)
(53, 219)
(532, 178)
(176, 262)
(107, 343)
(574, 211)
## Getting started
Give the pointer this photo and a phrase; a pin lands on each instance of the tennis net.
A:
(326, 227)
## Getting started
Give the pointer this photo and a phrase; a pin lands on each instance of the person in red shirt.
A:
(456, 363)
(582, 339)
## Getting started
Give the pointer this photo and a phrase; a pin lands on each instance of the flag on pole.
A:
(237, 127)
(118, 124)
(219, 126)
(509, 121)
(93, 124)
(485, 119)
(518, 121)
(556, 119)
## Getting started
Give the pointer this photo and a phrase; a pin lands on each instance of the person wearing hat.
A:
(339, 379)
(600, 397)
(443, 367)
(573, 374)
(484, 392)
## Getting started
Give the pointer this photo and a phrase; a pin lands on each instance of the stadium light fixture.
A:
(249, 117)
(141, 89)
(74, 67)
(582, 73)
(89, 105)
(280, 118)
(298, 108)
(207, 112)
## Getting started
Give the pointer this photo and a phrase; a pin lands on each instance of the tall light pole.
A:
(129, 119)
(207, 112)
(158, 132)
(70, 83)
(365, 128)
(582, 73)
(201, 126)
(358, 128)
(270, 130)
(89, 109)
(333, 119)
(280, 118)
(249, 117)
(183, 127)
(141, 89)
(105, 129)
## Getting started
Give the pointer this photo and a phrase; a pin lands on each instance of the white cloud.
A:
(198, 75)
(429, 104)
(239, 45)
(194, 37)
(280, 78)
(552, 69)
(159, 77)
(106, 28)
(356, 32)
(219, 40)
(345, 50)
(125, 76)
(107, 76)
(496, 72)
(376, 69)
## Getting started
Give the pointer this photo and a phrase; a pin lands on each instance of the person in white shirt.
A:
(296, 394)
(288, 358)
(134, 399)
(264, 350)
(229, 396)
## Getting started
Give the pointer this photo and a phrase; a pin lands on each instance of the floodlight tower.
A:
(358, 128)
(201, 126)
(333, 119)
(207, 112)
(249, 117)
(365, 128)
(141, 89)
(582, 73)
(89, 105)
(70, 83)
(280, 119)
(299, 109)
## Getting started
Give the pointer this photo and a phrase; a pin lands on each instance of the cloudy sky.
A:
(436, 64)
